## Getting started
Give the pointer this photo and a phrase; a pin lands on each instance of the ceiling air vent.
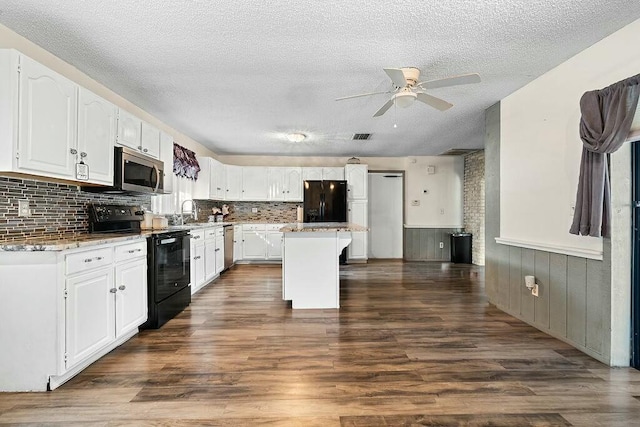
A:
(361, 137)
(460, 151)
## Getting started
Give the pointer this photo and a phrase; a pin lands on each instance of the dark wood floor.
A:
(413, 344)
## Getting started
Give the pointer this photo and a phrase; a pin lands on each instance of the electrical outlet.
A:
(441, 245)
(534, 291)
(23, 208)
(254, 210)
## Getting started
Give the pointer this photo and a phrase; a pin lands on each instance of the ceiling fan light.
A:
(296, 137)
(405, 99)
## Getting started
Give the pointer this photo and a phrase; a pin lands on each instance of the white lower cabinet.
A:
(90, 314)
(131, 295)
(197, 267)
(207, 256)
(210, 260)
(82, 303)
(254, 245)
(357, 213)
(219, 254)
(237, 243)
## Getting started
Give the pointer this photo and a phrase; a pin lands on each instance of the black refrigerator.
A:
(325, 201)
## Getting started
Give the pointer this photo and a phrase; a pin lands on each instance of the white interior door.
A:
(385, 215)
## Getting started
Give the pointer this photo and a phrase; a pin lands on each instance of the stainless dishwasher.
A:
(228, 246)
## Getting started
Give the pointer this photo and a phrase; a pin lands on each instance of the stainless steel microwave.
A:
(134, 173)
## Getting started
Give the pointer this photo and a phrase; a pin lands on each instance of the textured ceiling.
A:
(237, 76)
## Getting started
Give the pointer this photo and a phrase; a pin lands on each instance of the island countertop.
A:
(320, 227)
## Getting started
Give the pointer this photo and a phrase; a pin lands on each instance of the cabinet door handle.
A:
(73, 151)
(145, 150)
(122, 287)
(83, 154)
(113, 290)
(139, 147)
(217, 249)
(195, 237)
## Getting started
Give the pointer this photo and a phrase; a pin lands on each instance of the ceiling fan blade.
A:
(362, 94)
(451, 81)
(384, 108)
(437, 103)
(397, 76)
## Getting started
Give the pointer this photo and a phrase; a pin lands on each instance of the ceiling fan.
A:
(407, 89)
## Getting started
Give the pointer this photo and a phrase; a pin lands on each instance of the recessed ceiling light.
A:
(296, 137)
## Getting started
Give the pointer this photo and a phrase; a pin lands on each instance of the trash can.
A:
(461, 248)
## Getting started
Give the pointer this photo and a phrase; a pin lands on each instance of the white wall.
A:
(444, 188)
(11, 40)
(541, 148)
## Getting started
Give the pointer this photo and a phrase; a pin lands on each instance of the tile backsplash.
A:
(278, 212)
(56, 209)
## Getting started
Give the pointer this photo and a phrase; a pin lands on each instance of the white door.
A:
(97, 129)
(277, 190)
(333, 174)
(237, 243)
(219, 254)
(385, 215)
(129, 130)
(274, 245)
(293, 184)
(90, 310)
(217, 181)
(197, 267)
(131, 295)
(150, 140)
(358, 214)
(166, 155)
(209, 260)
(47, 121)
(312, 174)
(357, 182)
(255, 184)
(234, 182)
(253, 245)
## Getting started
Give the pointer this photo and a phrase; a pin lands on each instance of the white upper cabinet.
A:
(312, 174)
(217, 178)
(47, 121)
(333, 174)
(234, 182)
(166, 155)
(255, 184)
(276, 184)
(150, 140)
(129, 130)
(293, 184)
(201, 185)
(96, 135)
(357, 182)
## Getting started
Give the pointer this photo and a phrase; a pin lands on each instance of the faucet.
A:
(194, 210)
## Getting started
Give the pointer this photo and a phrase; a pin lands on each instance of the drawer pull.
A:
(113, 290)
(195, 237)
(98, 258)
(134, 250)
(197, 257)
(217, 249)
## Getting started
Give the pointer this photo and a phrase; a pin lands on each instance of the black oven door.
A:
(171, 263)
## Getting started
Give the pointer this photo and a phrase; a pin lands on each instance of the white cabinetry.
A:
(150, 140)
(276, 184)
(90, 314)
(312, 174)
(47, 121)
(210, 254)
(357, 182)
(254, 245)
(138, 135)
(333, 174)
(273, 239)
(255, 184)
(211, 180)
(358, 214)
(131, 295)
(234, 182)
(166, 155)
(293, 184)
(237, 243)
(197, 267)
(97, 120)
(219, 251)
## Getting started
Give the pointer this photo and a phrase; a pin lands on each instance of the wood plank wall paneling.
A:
(574, 302)
(423, 244)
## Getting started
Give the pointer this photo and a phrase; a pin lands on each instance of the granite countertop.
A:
(319, 227)
(64, 243)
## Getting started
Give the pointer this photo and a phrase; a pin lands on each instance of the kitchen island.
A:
(310, 267)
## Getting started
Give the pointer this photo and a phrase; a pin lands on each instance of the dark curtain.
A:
(185, 162)
(604, 126)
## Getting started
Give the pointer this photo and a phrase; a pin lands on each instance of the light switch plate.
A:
(254, 210)
(24, 208)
